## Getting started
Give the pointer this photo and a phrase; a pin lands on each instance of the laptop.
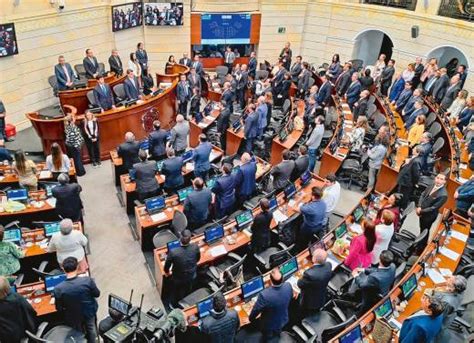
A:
(244, 219)
(273, 203)
(236, 125)
(385, 311)
(184, 192)
(50, 282)
(353, 336)
(305, 178)
(51, 228)
(409, 287)
(252, 288)
(358, 213)
(172, 245)
(341, 230)
(204, 307)
(155, 204)
(288, 268)
(214, 234)
(48, 187)
(12, 235)
(20, 194)
(290, 191)
(132, 174)
(187, 156)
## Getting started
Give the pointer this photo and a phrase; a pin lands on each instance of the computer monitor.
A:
(12, 235)
(252, 287)
(316, 246)
(358, 213)
(204, 307)
(289, 268)
(132, 174)
(409, 286)
(48, 187)
(155, 204)
(244, 219)
(213, 234)
(188, 156)
(236, 125)
(290, 191)
(273, 203)
(183, 193)
(118, 304)
(305, 178)
(50, 282)
(173, 245)
(384, 310)
(51, 228)
(353, 336)
(341, 230)
(211, 182)
(20, 194)
(159, 165)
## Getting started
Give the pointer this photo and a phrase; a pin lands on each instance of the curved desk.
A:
(172, 73)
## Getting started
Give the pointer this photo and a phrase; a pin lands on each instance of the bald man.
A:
(313, 284)
(179, 135)
(128, 151)
(245, 178)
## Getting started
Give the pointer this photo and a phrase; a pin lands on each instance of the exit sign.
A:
(281, 29)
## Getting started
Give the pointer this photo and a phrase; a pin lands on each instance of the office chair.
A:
(91, 99)
(371, 110)
(60, 333)
(259, 73)
(119, 91)
(222, 70)
(352, 171)
(41, 270)
(341, 277)
(53, 82)
(80, 71)
(272, 257)
(399, 272)
(278, 115)
(231, 270)
(404, 248)
(430, 119)
(435, 129)
(288, 228)
(102, 68)
(199, 295)
(253, 202)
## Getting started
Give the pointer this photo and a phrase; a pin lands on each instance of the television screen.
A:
(8, 46)
(127, 16)
(164, 14)
(225, 28)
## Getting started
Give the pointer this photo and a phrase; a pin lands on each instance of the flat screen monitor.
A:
(127, 16)
(305, 178)
(20, 194)
(155, 204)
(225, 28)
(211, 182)
(8, 44)
(316, 246)
(50, 282)
(409, 286)
(358, 213)
(49, 188)
(12, 235)
(290, 191)
(164, 14)
(132, 174)
(204, 307)
(244, 219)
(172, 245)
(384, 310)
(51, 228)
(188, 156)
(213, 234)
(353, 336)
(184, 192)
(273, 203)
(341, 230)
(289, 268)
(252, 287)
(236, 125)
(118, 304)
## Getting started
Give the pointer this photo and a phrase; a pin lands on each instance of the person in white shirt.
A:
(331, 194)
(69, 243)
(384, 232)
(57, 162)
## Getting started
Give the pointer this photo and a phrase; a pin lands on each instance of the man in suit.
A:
(183, 94)
(253, 64)
(418, 110)
(223, 123)
(242, 78)
(410, 105)
(198, 65)
(408, 177)
(440, 86)
(282, 171)
(314, 218)
(426, 146)
(250, 127)
(228, 97)
(296, 69)
(451, 92)
(272, 306)
(314, 141)
(197, 204)
(405, 95)
(229, 58)
(464, 196)
(277, 79)
(147, 185)
(419, 67)
(103, 95)
(344, 79)
(68, 198)
(261, 232)
(362, 105)
(3, 114)
(65, 76)
(301, 162)
(353, 91)
(245, 178)
(309, 112)
(313, 284)
(201, 157)
(303, 80)
(184, 260)
(262, 113)
(462, 72)
(172, 170)
(431, 200)
(179, 135)
(91, 65)
(224, 191)
(142, 56)
(429, 84)
(185, 60)
(222, 324)
(132, 87)
(115, 63)
(194, 79)
(379, 279)
(128, 151)
(386, 77)
(75, 298)
(324, 94)
(157, 142)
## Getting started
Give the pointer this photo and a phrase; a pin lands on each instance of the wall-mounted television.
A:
(225, 28)
(164, 13)
(127, 16)
(8, 45)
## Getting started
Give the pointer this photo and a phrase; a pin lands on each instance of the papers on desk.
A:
(356, 228)
(459, 236)
(45, 174)
(189, 166)
(462, 180)
(452, 255)
(51, 202)
(333, 260)
(445, 272)
(209, 117)
(435, 276)
(293, 281)
(213, 155)
(218, 250)
(279, 216)
(158, 217)
(462, 166)
(402, 142)
(291, 203)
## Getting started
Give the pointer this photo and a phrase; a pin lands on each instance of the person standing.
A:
(408, 177)
(202, 165)
(197, 204)
(353, 91)
(115, 63)
(260, 240)
(103, 95)
(91, 130)
(376, 156)
(250, 128)
(74, 142)
(3, 114)
(128, 151)
(145, 177)
(360, 250)
(142, 56)
(262, 113)
(222, 324)
(68, 199)
(65, 75)
(314, 218)
(57, 162)
(331, 193)
(76, 300)
(183, 95)
(229, 58)
(172, 170)
(223, 123)
(242, 79)
(157, 142)
(384, 231)
(314, 141)
(26, 171)
(224, 191)
(131, 86)
(282, 171)
(464, 196)
(245, 178)
(386, 77)
(91, 65)
(253, 64)
(179, 135)
(343, 80)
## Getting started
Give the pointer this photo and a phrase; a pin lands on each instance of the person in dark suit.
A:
(253, 64)
(157, 142)
(128, 151)
(197, 204)
(286, 55)
(245, 178)
(367, 81)
(195, 103)
(451, 92)
(343, 80)
(250, 127)
(429, 84)
(115, 63)
(229, 58)
(314, 218)
(227, 97)
(386, 77)
(418, 110)
(76, 300)
(147, 80)
(362, 105)
(91, 65)
(68, 199)
(224, 190)
(426, 146)
(419, 68)
(408, 177)
(313, 284)
(301, 162)
(353, 91)
(103, 95)
(296, 69)
(277, 79)
(242, 79)
(132, 87)
(410, 105)
(142, 56)
(194, 79)
(222, 324)
(431, 200)
(3, 113)
(185, 60)
(184, 260)
(183, 94)
(65, 75)
(440, 86)
(272, 304)
(172, 170)
(282, 171)
(405, 95)
(324, 94)
(223, 123)
(201, 157)
(302, 80)
(261, 231)
(198, 65)
(145, 171)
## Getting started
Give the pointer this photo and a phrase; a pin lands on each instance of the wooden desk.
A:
(172, 73)
(30, 214)
(110, 78)
(10, 178)
(233, 141)
(196, 129)
(116, 166)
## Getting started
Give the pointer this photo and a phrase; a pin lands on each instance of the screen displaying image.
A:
(8, 46)
(127, 16)
(225, 28)
(164, 14)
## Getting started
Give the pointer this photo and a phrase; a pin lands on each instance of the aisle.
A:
(116, 261)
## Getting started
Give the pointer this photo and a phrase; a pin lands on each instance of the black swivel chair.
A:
(341, 276)
(272, 257)
(399, 272)
(430, 119)
(404, 246)
(287, 229)
(91, 99)
(435, 129)
(231, 270)
(60, 333)
(119, 91)
(80, 71)
(54, 84)
(179, 223)
(41, 270)
(199, 295)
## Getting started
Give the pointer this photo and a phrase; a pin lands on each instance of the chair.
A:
(91, 99)
(60, 333)
(53, 82)
(430, 119)
(311, 82)
(402, 247)
(340, 277)
(179, 223)
(80, 71)
(435, 129)
(101, 68)
(41, 270)
(253, 202)
(272, 257)
(351, 172)
(222, 70)
(119, 91)
(287, 229)
(231, 270)
(439, 143)
(399, 272)
(261, 73)
(199, 295)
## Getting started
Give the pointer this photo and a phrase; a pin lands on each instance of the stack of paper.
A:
(218, 251)
(51, 202)
(189, 166)
(459, 236)
(435, 276)
(45, 174)
(279, 216)
(158, 217)
(449, 253)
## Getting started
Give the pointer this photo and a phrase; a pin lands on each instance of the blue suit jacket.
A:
(251, 125)
(245, 178)
(410, 105)
(196, 205)
(324, 94)
(262, 112)
(377, 278)
(353, 93)
(157, 142)
(61, 77)
(420, 329)
(411, 119)
(142, 57)
(224, 189)
(198, 67)
(403, 99)
(252, 67)
(183, 92)
(171, 169)
(201, 157)
(465, 195)
(131, 92)
(104, 99)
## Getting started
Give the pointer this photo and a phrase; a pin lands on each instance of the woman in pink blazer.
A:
(360, 251)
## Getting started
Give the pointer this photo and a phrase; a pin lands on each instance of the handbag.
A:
(382, 332)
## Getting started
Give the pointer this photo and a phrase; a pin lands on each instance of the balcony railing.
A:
(406, 4)
(457, 9)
